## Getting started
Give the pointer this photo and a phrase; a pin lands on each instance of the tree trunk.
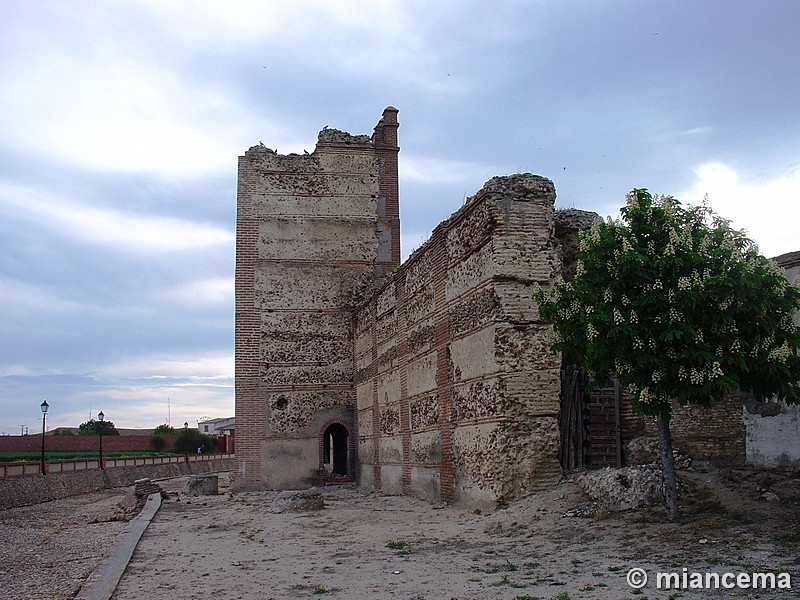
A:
(668, 465)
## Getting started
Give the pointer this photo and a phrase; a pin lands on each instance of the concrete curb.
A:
(100, 585)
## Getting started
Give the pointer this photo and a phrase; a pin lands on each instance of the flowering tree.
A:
(680, 306)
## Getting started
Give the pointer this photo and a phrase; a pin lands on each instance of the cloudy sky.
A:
(121, 123)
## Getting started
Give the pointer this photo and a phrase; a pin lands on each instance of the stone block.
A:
(298, 501)
(206, 484)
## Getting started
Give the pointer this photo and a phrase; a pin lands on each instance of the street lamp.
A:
(186, 439)
(44, 406)
(101, 416)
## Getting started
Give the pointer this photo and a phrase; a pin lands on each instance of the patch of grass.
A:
(615, 569)
(401, 548)
(671, 535)
(504, 580)
(562, 596)
(320, 590)
(507, 566)
(532, 565)
(710, 524)
(791, 539)
(526, 597)
(77, 455)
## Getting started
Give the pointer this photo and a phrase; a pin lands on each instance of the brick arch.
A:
(327, 469)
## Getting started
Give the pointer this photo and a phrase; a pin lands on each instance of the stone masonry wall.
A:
(314, 233)
(457, 389)
(26, 491)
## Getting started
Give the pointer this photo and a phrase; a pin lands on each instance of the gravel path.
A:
(48, 550)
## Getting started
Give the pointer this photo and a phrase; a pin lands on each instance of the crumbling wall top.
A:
(522, 187)
(788, 260)
(574, 219)
(336, 136)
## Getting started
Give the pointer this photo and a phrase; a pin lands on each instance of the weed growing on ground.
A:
(504, 580)
(401, 547)
(508, 566)
(791, 539)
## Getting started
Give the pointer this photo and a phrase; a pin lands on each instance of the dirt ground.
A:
(48, 550)
(367, 546)
(554, 545)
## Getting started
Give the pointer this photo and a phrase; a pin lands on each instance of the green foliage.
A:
(157, 442)
(164, 429)
(679, 305)
(189, 440)
(92, 427)
(63, 431)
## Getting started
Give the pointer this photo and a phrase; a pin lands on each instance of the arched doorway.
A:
(335, 451)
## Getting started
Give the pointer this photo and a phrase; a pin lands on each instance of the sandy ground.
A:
(367, 546)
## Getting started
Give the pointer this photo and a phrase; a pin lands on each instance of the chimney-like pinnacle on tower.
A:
(384, 140)
(385, 135)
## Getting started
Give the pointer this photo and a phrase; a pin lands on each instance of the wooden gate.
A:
(572, 418)
(589, 421)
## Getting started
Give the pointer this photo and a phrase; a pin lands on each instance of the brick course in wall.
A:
(469, 374)
(440, 368)
(314, 233)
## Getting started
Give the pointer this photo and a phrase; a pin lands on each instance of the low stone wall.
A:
(25, 491)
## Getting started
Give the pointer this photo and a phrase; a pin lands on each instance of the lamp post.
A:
(44, 406)
(101, 416)
(186, 439)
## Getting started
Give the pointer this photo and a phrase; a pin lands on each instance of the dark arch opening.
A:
(334, 449)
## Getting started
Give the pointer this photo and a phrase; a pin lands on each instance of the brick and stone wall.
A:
(457, 389)
(439, 370)
(77, 443)
(314, 234)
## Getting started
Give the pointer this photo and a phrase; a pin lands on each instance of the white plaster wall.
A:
(773, 441)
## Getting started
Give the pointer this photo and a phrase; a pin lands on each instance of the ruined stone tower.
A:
(432, 378)
(314, 233)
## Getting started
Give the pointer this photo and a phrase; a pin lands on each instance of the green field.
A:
(6, 457)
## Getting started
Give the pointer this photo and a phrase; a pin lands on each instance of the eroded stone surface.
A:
(623, 489)
(297, 501)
